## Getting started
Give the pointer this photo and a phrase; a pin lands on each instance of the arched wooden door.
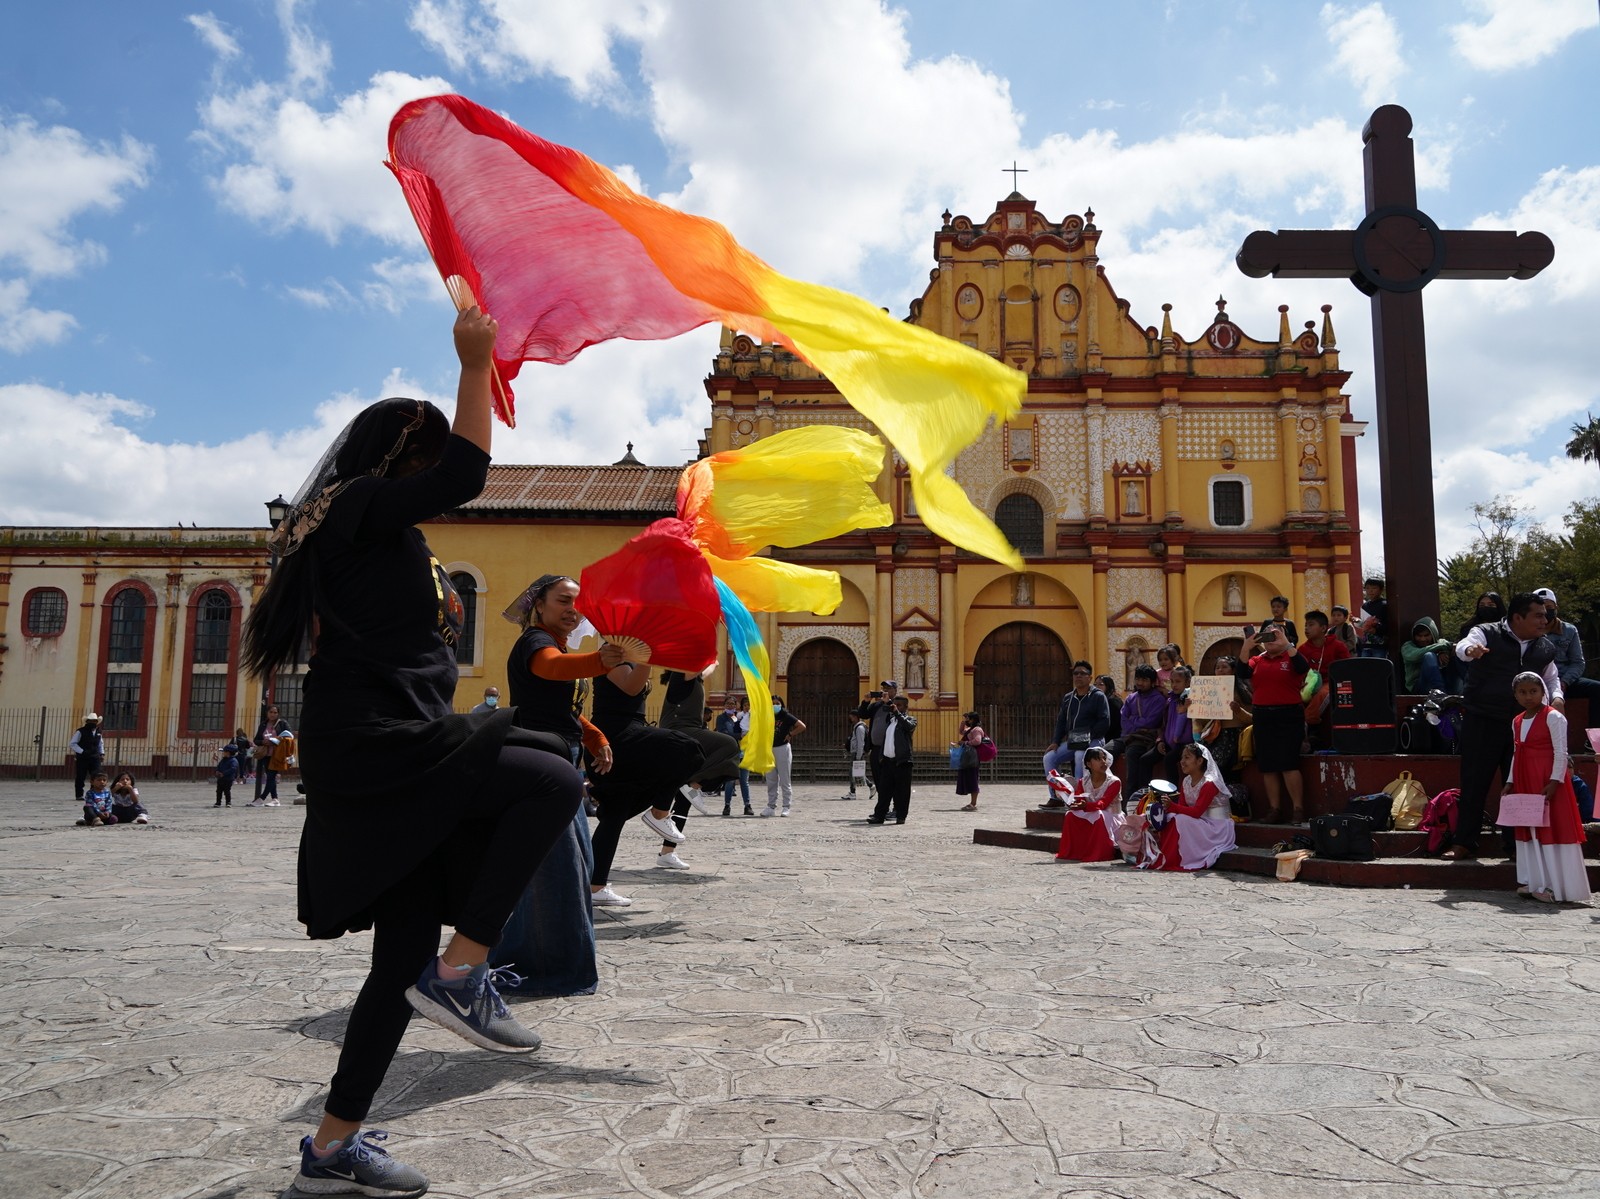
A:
(1229, 646)
(824, 684)
(1019, 675)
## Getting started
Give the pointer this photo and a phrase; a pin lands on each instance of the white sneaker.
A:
(605, 897)
(141, 818)
(272, 803)
(671, 861)
(664, 826)
(256, 803)
(692, 794)
(785, 812)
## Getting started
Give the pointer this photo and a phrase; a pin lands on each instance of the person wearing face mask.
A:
(730, 724)
(491, 701)
(785, 724)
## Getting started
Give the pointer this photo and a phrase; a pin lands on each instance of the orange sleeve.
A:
(551, 663)
(593, 739)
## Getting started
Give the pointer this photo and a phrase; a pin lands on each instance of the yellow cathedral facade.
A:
(1161, 486)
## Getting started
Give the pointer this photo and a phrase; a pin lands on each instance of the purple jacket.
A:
(1143, 710)
(1176, 730)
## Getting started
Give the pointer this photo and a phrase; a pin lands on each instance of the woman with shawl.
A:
(1088, 832)
(1199, 825)
(415, 817)
(1550, 864)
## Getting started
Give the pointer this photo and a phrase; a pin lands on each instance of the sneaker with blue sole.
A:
(472, 1008)
(360, 1166)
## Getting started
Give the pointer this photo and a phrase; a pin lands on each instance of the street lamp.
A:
(277, 509)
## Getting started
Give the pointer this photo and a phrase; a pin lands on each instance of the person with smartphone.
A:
(1277, 673)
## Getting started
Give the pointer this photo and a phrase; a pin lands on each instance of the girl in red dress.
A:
(1199, 826)
(1550, 866)
(1086, 828)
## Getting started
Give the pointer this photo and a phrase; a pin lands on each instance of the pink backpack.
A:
(1439, 820)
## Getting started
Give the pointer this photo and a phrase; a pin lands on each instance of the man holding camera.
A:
(876, 713)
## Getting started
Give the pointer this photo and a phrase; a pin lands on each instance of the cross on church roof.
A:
(1013, 170)
(1391, 256)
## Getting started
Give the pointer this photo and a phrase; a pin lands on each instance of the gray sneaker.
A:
(472, 1008)
(360, 1166)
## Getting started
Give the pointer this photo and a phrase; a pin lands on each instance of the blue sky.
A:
(204, 269)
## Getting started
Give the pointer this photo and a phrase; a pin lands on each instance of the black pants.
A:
(894, 787)
(479, 873)
(875, 766)
(1485, 754)
(1138, 763)
(83, 768)
(615, 812)
(224, 790)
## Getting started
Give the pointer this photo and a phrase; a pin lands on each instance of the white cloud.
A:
(49, 177)
(1519, 33)
(61, 447)
(309, 57)
(514, 37)
(1366, 44)
(22, 327)
(212, 33)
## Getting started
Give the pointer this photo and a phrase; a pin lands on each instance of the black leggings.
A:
(478, 873)
(615, 812)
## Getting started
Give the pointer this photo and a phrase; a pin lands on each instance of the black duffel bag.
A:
(1343, 838)
(1377, 808)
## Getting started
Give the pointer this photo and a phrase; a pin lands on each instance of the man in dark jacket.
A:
(894, 777)
(1495, 654)
(1084, 719)
(88, 748)
(875, 711)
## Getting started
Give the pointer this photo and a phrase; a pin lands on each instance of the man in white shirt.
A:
(1495, 654)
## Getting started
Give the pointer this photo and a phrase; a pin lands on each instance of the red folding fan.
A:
(655, 597)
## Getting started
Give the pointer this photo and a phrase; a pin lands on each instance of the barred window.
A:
(1021, 519)
(211, 625)
(1227, 503)
(208, 703)
(120, 711)
(44, 614)
(467, 588)
(128, 608)
(288, 693)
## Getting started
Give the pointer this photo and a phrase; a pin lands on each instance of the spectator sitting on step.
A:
(1420, 656)
(1083, 720)
(1374, 628)
(1143, 711)
(1168, 659)
(1341, 630)
(1490, 609)
(1176, 728)
(1108, 685)
(1570, 661)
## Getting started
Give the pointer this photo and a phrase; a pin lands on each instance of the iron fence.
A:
(34, 744)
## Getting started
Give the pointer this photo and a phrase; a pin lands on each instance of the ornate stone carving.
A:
(929, 646)
(1133, 437)
(792, 636)
(916, 587)
(1136, 585)
(1254, 435)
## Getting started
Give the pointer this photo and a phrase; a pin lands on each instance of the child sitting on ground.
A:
(97, 801)
(125, 805)
(227, 771)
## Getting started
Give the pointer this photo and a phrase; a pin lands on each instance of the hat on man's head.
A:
(1547, 595)
(890, 683)
(92, 716)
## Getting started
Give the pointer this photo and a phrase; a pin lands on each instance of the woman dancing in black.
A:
(415, 817)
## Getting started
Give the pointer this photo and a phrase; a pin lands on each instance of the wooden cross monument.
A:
(1392, 255)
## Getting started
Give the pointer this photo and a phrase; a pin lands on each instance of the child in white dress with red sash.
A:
(1550, 865)
(1199, 827)
(1087, 834)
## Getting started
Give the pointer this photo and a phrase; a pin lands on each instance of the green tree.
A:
(1462, 579)
(1502, 534)
(1585, 443)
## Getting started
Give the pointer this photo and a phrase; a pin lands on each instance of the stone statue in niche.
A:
(1132, 503)
(1136, 658)
(1310, 463)
(1233, 597)
(916, 672)
(1312, 501)
(1023, 593)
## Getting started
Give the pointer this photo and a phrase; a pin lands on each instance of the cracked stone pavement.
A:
(818, 1010)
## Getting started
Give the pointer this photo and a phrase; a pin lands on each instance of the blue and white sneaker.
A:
(360, 1166)
(472, 1008)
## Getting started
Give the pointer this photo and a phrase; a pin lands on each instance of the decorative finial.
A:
(1283, 325)
(1088, 218)
(1327, 328)
(1222, 306)
(946, 216)
(1166, 322)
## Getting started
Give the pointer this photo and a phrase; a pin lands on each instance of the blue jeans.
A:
(743, 783)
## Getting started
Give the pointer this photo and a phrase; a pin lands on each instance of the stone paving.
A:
(819, 1009)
